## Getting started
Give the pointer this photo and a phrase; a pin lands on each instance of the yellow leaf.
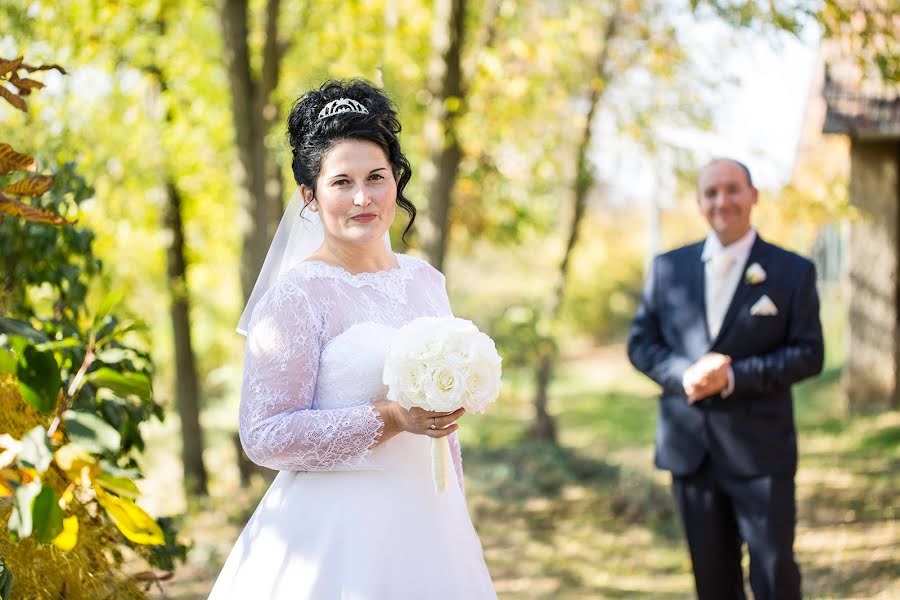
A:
(67, 539)
(132, 521)
(67, 496)
(32, 186)
(9, 479)
(30, 213)
(73, 460)
(10, 160)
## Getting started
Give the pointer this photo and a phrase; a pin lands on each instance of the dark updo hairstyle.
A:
(311, 138)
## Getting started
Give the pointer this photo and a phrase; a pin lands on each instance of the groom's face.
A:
(725, 197)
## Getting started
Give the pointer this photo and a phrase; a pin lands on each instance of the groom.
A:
(725, 327)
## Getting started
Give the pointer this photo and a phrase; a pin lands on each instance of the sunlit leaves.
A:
(131, 520)
(32, 187)
(9, 74)
(120, 486)
(10, 160)
(20, 522)
(123, 384)
(10, 447)
(21, 210)
(68, 537)
(8, 362)
(78, 465)
(34, 452)
(91, 432)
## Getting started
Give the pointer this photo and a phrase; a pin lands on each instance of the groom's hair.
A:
(738, 163)
(312, 132)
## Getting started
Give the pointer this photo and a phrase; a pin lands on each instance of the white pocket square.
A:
(764, 307)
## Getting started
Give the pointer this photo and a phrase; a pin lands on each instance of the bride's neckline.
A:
(362, 274)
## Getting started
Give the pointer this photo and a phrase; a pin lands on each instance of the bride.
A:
(353, 513)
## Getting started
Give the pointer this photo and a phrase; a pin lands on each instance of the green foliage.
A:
(6, 581)
(164, 556)
(63, 363)
(35, 450)
(91, 433)
(21, 521)
(521, 336)
(604, 295)
(87, 387)
(867, 30)
(48, 517)
(39, 380)
(46, 269)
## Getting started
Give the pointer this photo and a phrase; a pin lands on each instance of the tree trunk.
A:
(259, 181)
(544, 427)
(447, 98)
(187, 389)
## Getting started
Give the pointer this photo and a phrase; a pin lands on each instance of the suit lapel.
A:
(742, 293)
(698, 287)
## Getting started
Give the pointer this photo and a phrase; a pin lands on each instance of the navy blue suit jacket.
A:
(751, 432)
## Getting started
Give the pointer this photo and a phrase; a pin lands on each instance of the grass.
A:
(592, 518)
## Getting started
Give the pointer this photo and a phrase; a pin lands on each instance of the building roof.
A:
(859, 114)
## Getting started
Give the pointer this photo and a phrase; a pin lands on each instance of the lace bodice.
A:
(315, 352)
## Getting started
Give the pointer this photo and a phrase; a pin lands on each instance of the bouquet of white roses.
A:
(442, 364)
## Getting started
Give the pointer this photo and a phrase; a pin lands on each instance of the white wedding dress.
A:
(344, 519)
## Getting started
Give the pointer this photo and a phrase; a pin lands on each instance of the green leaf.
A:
(35, 451)
(6, 581)
(17, 343)
(90, 432)
(111, 468)
(47, 516)
(164, 557)
(123, 384)
(112, 356)
(20, 523)
(118, 485)
(62, 344)
(112, 299)
(23, 329)
(8, 362)
(39, 379)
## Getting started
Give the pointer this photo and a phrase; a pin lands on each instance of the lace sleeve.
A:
(278, 427)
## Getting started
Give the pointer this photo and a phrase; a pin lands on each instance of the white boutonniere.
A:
(755, 274)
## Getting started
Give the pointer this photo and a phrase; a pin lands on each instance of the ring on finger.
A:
(432, 426)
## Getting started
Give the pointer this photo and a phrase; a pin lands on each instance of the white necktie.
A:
(717, 290)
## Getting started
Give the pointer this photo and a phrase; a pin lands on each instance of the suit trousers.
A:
(719, 513)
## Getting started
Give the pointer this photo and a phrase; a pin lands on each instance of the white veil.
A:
(296, 238)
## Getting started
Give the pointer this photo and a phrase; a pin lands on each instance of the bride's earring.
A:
(313, 207)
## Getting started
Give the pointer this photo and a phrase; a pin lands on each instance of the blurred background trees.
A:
(175, 114)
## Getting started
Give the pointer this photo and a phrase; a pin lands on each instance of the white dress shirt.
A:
(723, 269)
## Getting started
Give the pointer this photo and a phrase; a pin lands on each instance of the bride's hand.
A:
(416, 420)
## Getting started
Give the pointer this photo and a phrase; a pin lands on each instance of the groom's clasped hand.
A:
(706, 377)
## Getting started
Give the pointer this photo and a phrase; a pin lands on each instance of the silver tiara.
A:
(342, 105)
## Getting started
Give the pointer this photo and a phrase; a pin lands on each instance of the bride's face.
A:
(356, 193)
